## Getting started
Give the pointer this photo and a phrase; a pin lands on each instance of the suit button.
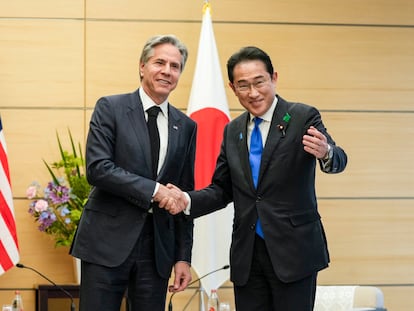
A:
(258, 199)
(253, 226)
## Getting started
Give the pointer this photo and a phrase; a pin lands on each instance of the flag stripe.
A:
(3, 159)
(9, 250)
(7, 218)
(6, 262)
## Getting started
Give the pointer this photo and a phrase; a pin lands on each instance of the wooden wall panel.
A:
(379, 155)
(370, 241)
(319, 11)
(398, 298)
(352, 73)
(112, 57)
(42, 8)
(31, 137)
(349, 74)
(41, 63)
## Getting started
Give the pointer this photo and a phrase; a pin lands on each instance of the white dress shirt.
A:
(264, 126)
(162, 123)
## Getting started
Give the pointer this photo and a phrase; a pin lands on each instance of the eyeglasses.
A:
(245, 87)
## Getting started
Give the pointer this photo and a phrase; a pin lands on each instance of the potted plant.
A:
(57, 207)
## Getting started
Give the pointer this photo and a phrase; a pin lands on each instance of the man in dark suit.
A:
(124, 240)
(267, 167)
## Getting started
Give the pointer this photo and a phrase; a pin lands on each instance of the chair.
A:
(349, 298)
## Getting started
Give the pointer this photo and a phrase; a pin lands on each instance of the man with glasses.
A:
(266, 166)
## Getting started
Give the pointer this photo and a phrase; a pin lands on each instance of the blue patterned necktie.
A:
(255, 156)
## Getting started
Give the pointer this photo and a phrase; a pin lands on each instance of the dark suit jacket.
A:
(285, 197)
(118, 162)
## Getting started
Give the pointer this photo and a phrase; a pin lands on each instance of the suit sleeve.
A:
(185, 225)
(219, 193)
(339, 157)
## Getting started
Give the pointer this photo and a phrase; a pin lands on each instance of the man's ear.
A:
(232, 87)
(274, 77)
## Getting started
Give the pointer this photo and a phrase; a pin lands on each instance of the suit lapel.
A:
(243, 150)
(174, 130)
(277, 131)
(138, 124)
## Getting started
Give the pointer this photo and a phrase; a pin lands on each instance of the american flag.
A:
(9, 248)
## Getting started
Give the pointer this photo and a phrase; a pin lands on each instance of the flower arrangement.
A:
(57, 207)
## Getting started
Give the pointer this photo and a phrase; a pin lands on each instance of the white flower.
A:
(41, 205)
(31, 192)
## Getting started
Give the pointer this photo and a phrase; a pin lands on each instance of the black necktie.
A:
(154, 137)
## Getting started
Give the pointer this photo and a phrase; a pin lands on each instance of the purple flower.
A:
(31, 208)
(57, 194)
(46, 219)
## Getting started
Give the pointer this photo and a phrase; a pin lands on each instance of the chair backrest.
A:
(348, 298)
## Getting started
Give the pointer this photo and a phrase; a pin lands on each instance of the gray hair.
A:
(152, 42)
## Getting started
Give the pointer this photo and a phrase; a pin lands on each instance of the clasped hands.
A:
(171, 198)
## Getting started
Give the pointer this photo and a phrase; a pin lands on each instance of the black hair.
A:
(248, 53)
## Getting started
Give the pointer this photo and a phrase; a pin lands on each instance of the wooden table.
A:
(46, 292)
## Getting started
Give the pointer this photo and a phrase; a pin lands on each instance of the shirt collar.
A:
(267, 116)
(147, 102)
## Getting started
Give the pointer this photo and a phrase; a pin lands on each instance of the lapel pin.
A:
(284, 124)
(282, 129)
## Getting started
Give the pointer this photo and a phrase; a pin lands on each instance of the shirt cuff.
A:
(183, 261)
(327, 161)
(187, 210)
(157, 187)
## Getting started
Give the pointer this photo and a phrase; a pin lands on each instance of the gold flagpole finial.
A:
(206, 6)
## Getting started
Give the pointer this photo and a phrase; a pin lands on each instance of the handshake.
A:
(171, 198)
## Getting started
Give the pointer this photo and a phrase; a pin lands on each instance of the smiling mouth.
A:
(164, 82)
(256, 102)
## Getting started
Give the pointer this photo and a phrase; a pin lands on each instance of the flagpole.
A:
(202, 304)
(209, 109)
(200, 290)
